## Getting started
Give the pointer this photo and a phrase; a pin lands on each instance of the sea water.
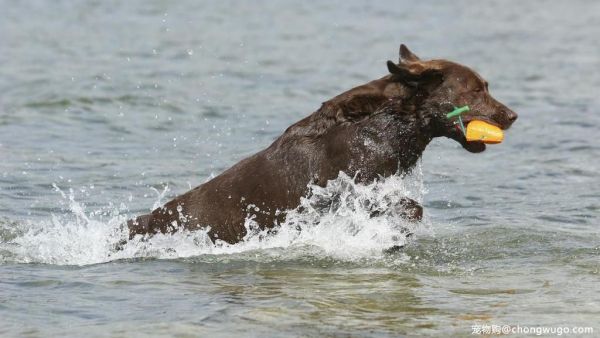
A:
(109, 109)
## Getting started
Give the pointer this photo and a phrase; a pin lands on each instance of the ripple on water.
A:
(490, 291)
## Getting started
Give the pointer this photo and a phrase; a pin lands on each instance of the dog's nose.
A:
(505, 117)
(511, 115)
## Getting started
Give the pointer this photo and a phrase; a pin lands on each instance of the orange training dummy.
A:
(477, 130)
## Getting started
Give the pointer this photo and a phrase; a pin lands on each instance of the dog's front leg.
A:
(407, 209)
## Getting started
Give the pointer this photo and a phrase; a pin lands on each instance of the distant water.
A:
(108, 109)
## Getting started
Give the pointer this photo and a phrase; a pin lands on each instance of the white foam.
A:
(335, 221)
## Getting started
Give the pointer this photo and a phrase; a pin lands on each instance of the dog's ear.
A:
(407, 55)
(415, 74)
(402, 71)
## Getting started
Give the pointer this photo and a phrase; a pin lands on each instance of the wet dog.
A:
(374, 130)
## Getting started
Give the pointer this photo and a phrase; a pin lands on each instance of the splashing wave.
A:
(336, 221)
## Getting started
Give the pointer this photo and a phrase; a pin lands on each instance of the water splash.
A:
(344, 220)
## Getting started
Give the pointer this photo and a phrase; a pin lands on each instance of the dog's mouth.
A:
(455, 132)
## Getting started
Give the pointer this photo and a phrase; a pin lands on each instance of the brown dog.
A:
(377, 129)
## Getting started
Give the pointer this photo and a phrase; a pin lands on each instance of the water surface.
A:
(106, 104)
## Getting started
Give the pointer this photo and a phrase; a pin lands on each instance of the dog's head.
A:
(441, 85)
